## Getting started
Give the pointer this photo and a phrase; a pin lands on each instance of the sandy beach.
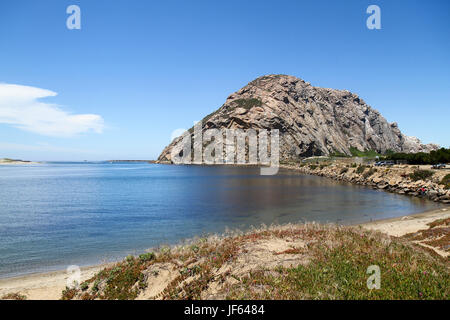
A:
(400, 226)
(48, 286)
(43, 286)
(411, 224)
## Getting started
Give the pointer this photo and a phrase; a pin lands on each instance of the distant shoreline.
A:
(16, 162)
(138, 161)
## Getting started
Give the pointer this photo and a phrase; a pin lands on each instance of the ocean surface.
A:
(58, 214)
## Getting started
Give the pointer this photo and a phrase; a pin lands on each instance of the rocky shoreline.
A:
(395, 179)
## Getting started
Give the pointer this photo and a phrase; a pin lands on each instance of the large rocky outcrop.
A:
(311, 120)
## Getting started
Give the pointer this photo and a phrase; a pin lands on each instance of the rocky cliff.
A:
(311, 120)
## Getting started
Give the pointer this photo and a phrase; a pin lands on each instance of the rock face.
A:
(312, 121)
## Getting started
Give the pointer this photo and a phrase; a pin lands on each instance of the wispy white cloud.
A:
(21, 108)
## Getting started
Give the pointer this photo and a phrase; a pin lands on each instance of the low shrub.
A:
(344, 170)
(420, 175)
(446, 181)
(248, 103)
(360, 169)
(436, 156)
(146, 256)
(367, 153)
(68, 293)
(13, 296)
(370, 172)
(84, 286)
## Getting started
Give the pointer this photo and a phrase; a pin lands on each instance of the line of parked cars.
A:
(438, 166)
(388, 163)
(384, 163)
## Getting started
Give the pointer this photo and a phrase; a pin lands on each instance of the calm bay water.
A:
(57, 214)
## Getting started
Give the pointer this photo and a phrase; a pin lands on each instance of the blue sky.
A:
(138, 70)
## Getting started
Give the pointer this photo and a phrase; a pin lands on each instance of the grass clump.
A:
(366, 154)
(120, 285)
(360, 169)
(123, 281)
(13, 296)
(369, 172)
(69, 293)
(439, 222)
(146, 256)
(420, 175)
(446, 181)
(313, 166)
(120, 281)
(248, 103)
(84, 286)
(437, 236)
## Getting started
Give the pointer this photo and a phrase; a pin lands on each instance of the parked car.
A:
(438, 166)
(384, 163)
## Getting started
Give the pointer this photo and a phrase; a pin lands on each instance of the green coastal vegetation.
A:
(441, 155)
(332, 265)
(356, 153)
(341, 273)
(248, 103)
(421, 175)
(365, 154)
(446, 181)
(434, 157)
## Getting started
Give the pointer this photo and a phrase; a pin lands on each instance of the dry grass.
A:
(437, 236)
(308, 261)
(13, 296)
